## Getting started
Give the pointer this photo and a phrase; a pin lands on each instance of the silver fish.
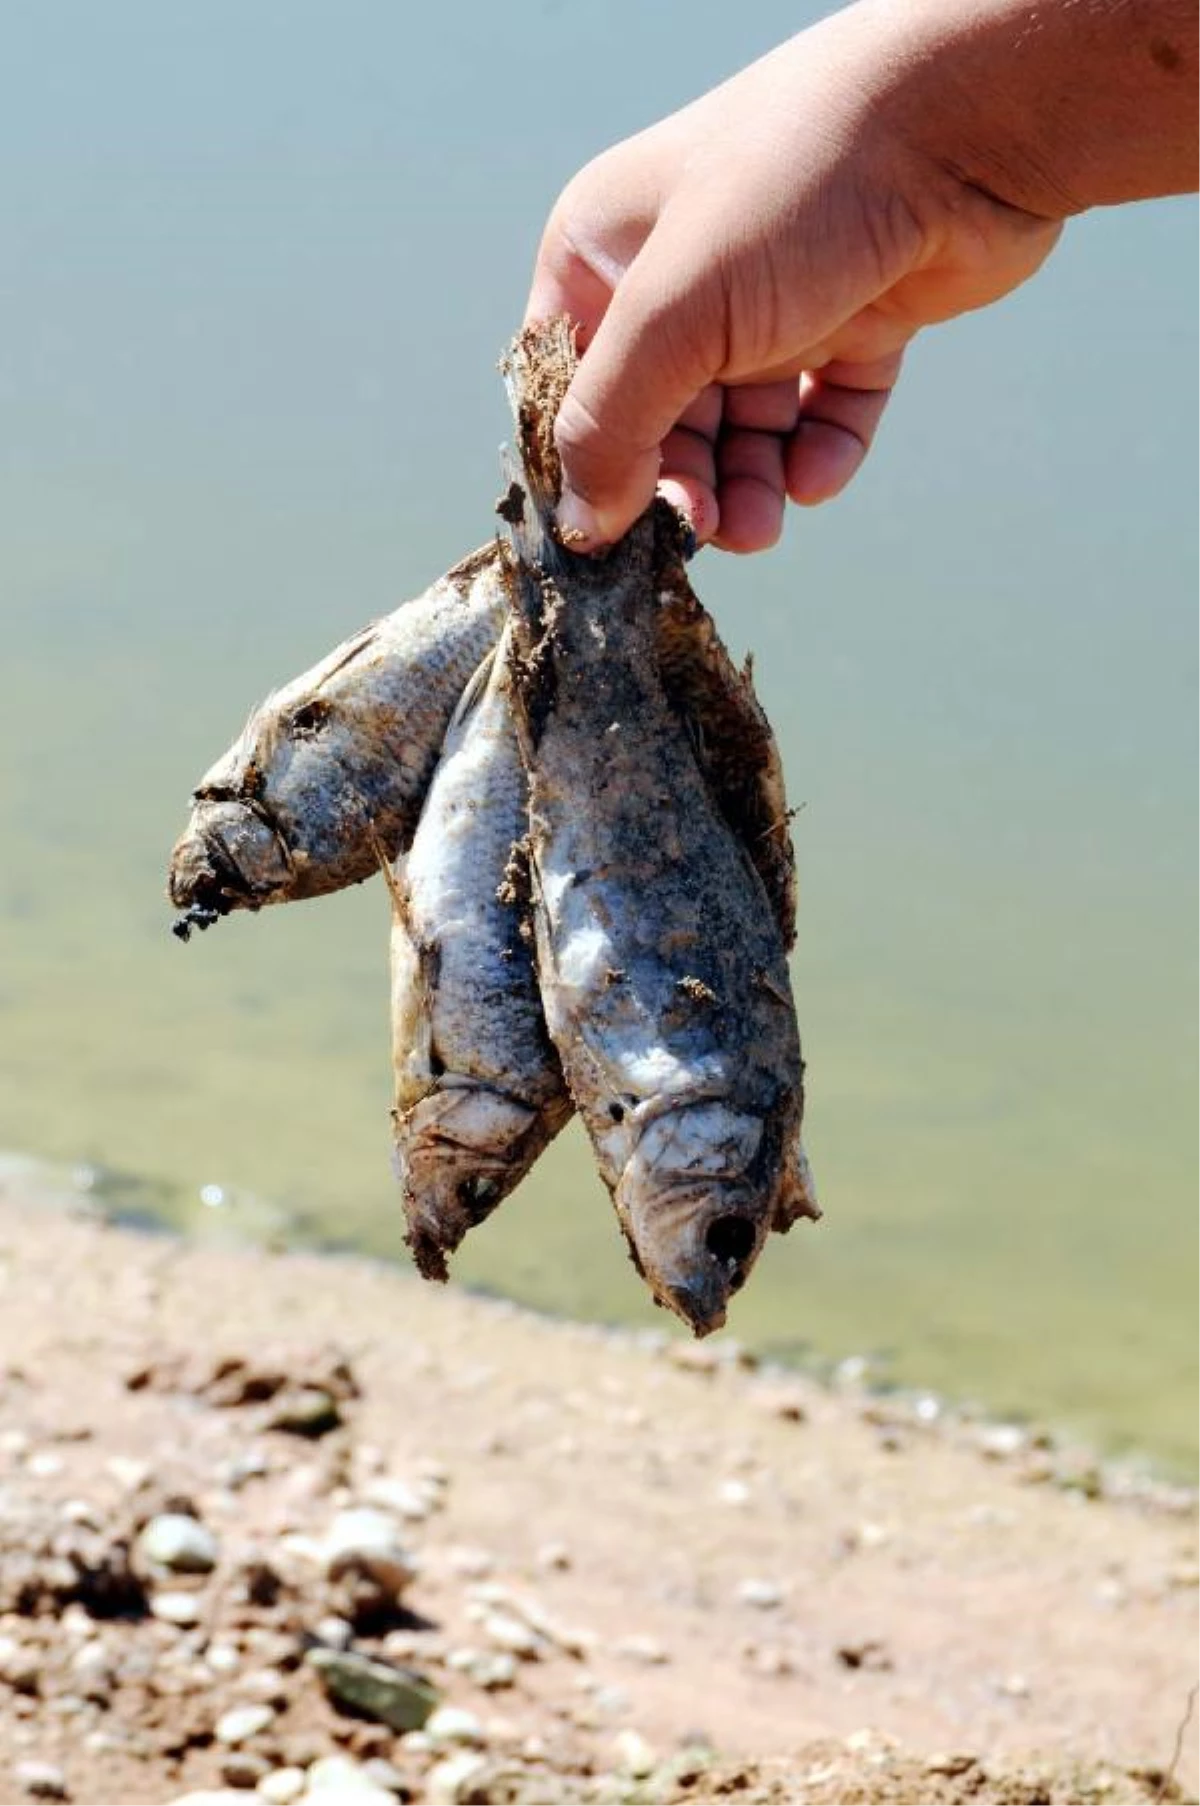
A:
(478, 1088)
(337, 762)
(662, 967)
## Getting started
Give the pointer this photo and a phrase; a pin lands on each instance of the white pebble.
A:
(241, 1723)
(765, 1595)
(282, 1786)
(178, 1542)
(733, 1492)
(509, 1633)
(222, 1658)
(453, 1781)
(41, 1780)
(451, 1724)
(340, 1778)
(181, 1609)
(634, 1754)
(368, 1540)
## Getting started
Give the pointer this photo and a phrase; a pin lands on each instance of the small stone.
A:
(554, 1557)
(340, 1778)
(507, 1632)
(128, 1472)
(451, 1724)
(642, 1649)
(950, 1762)
(394, 1696)
(733, 1492)
(241, 1723)
(458, 1781)
(366, 1541)
(493, 1671)
(182, 1609)
(209, 1796)
(181, 1544)
(335, 1633)
(20, 1668)
(1001, 1441)
(93, 1671)
(382, 1773)
(399, 1497)
(41, 1780)
(45, 1465)
(307, 1411)
(222, 1658)
(283, 1785)
(634, 1754)
(245, 1768)
(764, 1595)
(1014, 1686)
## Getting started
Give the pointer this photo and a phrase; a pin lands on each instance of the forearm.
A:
(1052, 106)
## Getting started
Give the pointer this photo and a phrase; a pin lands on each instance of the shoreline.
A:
(86, 1191)
(640, 1570)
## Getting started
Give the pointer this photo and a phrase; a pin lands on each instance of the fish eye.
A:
(308, 720)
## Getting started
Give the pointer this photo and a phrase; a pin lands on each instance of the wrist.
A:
(1049, 107)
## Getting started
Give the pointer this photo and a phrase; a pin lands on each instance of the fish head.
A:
(458, 1152)
(696, 1200)
(303, 801)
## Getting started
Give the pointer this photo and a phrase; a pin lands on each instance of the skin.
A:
(747, 273)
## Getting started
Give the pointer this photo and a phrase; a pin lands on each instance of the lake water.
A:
(254, 287)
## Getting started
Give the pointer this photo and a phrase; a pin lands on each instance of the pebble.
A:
(634, 1754)
(335, 1633)
(283, 1785)
(41, 1780)
(181, 1544)
(222, 1658)
(399, 1497)
(241, 1723)
(642, 1649)
(391, 1695)
(509, 1633)
(209, 1796)
(182, 1609)
(128, 1472)
(1001, 1441)
(245, 1768)
(308, 1411)
(367, 1540)
(554, 1557)
(20, 1668)
(341, 1777)
(457, 1781)
(764, 1595)
(45, 1465)
(385, 1774)
(92, 1667)
(451, 1724)
(733, 1492)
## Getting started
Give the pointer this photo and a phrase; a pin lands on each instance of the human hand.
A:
(746, 274)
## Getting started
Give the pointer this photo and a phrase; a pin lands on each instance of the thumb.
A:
(658, 345)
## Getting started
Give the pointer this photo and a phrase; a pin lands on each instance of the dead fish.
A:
(478, 1087)
(339, 760)
(662, 966)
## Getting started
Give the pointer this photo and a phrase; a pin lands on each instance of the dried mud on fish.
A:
(579, 807)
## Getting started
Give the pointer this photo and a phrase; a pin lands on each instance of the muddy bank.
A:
(261, 1513)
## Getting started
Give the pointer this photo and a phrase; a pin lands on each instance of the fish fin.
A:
(474, 693)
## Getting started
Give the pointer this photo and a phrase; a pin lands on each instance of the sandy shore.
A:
(627, 1568)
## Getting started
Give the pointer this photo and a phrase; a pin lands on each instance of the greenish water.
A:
(253, 291)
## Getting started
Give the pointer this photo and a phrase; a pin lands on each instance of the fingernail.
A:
(578, 526)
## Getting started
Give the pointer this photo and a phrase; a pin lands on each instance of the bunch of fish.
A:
(579, 808)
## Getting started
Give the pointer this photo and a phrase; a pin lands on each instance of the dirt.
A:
(726, 1583)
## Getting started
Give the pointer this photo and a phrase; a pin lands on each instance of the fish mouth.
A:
(715, 1265)
(229, 857)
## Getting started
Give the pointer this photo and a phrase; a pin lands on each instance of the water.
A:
(258, 269)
